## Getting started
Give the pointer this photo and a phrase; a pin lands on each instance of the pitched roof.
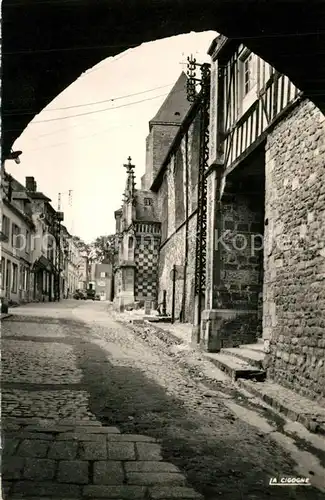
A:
(175, 106)
(38, 196)
(17, 186)
(20, 195)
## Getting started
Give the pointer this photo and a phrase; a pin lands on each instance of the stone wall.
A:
(241, 259)
(294, 283)
(176, 197)
(162, 136)
(241, 252)
(157, 145)
(173, 252)
(144, 212)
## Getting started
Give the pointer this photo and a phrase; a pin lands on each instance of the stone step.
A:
(251, 356)
(259, 346)
(236, 368)
(158, 319)
(309, 413)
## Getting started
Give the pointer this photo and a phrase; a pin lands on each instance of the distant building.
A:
(138, 223)
(138, 239)
(103, 281)
(47, 266)
(72, 259)
(17, 229)
(39, 258)
(83, 266)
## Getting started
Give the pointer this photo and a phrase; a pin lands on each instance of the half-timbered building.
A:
(265, 182)
(248, 97)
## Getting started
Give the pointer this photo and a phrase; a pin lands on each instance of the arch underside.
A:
(48, 44)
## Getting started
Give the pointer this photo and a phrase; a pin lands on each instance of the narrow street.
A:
(72, 365)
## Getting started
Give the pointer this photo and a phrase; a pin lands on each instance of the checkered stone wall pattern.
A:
(146, 258)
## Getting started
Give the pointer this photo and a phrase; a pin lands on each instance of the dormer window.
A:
(148, 202)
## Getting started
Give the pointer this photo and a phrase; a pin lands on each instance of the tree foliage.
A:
(104, 248)
(83, 247)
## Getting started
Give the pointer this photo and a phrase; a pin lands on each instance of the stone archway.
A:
(47, 44)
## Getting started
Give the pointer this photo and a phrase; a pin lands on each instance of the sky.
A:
(85, 154)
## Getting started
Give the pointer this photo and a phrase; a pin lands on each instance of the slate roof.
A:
(38, 196)
(175, 102)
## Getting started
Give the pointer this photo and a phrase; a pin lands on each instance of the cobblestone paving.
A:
(43, 460)
(90, 410)
(45, 404)
(53, 445)
(16, 366)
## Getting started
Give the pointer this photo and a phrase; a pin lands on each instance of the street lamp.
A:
(14, 155)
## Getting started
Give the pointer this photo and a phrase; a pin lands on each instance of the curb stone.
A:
(308, 421)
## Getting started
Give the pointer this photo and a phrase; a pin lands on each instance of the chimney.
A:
(30, 184)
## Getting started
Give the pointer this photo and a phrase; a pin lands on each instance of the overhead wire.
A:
(101, 132)
(112, 99)
(96, 111)
(78, 138)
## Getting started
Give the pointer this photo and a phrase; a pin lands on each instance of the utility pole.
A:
(57, 230)
(69, 193)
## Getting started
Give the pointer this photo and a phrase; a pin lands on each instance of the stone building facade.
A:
(176, 188)
(17, 229)
(31, 243)
(294, 286)
(163, 128)
(266, 278)
(137, 246)
(103, 278)
(143, 213)
(265, 232)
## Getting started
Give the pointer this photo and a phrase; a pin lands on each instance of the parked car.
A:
(91, 294)
(80, 295)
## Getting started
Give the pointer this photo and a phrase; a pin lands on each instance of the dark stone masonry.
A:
(294, 287)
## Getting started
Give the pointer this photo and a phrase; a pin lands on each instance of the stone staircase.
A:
(245, 361)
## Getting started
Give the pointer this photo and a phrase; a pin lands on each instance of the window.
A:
(15, 233)
(14, 278)
(44, 285)
(147, 202)
(50, 249)
(248, 80)
(5, 226)
(248, 74)
(103, 275)
(26, 281)
(27, 243)
(8, 275)
(21, 277)
(3, 272)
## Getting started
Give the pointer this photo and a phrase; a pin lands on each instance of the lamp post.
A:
(59, 217)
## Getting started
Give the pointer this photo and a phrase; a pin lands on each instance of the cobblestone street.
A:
(92, 410)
